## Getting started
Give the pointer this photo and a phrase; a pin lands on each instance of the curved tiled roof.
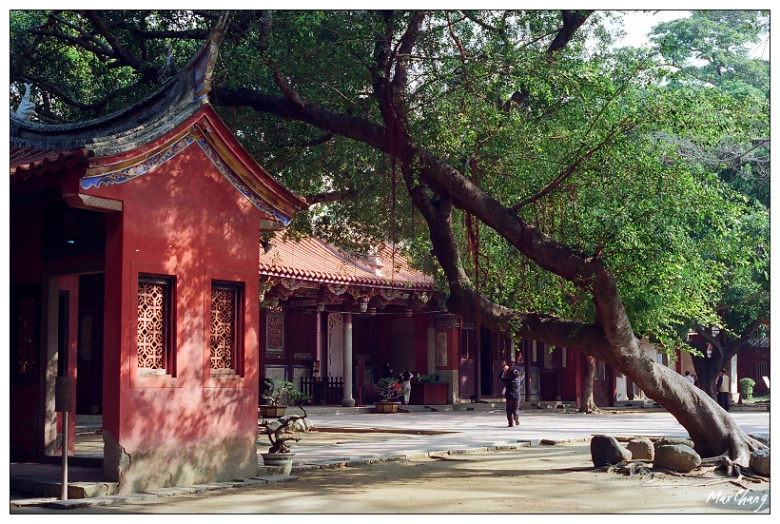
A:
(26, 161)
(314, 260)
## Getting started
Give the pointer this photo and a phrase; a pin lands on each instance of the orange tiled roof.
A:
(315, 260)
(29, 160)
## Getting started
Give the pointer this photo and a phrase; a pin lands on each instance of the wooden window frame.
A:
(239, 290)
(169, 324)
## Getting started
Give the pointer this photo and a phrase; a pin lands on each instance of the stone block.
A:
(759, 461)
(673, 441)
(606, 450)
(641, 449)
(677, 457)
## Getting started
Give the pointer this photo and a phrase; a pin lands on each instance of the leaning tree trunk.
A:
(707, 372)
(587, 404)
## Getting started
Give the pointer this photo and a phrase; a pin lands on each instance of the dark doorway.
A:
(89, 381)
(486, 362)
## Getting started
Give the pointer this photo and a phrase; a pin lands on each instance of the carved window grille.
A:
(274, 333)
(27, 347)
(225, 327)
(154, 324)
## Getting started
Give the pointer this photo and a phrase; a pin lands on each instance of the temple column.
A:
(734, 380)
(348, 401)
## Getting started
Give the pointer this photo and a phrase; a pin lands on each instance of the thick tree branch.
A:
(119, 50)
(709, 338)
(100, 52)
(349, 126)
(572, 20)
(332, 196)
(746, 336)
(408, 40)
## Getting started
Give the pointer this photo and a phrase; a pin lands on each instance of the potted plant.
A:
(428, 390)
(279, 456)
(277, 396)
(390, 389)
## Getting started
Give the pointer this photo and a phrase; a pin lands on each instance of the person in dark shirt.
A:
(511, 378)
(387, 370)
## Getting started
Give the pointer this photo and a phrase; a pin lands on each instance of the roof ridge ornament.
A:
(168, 70)
(26, 108)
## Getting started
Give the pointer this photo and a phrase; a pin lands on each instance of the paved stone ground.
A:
(368, 438)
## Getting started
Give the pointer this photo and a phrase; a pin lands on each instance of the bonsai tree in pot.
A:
(280, 456)
(278, 395)
(390, 389)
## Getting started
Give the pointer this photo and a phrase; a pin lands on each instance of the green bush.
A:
(430, 379)
(746, 387)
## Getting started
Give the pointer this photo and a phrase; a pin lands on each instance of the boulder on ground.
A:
(762, 438)
(759, 461)
(606, 450)
(641, 449)
(299, 426)
(673, 441)
(678, 457)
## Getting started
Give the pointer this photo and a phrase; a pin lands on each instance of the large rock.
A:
(606, 450)
(678, 457)
(301, 425)
(641, 449)
(673, 441)
(759, 461)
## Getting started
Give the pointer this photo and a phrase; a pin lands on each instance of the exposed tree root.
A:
(720, 466)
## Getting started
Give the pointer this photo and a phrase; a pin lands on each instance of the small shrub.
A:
(746, 387)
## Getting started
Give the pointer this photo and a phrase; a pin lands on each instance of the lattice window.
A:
(224, 334)
(761, 371)
(274, 333)
(27, 348)
(154, 323)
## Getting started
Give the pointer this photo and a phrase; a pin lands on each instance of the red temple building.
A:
(134, 271)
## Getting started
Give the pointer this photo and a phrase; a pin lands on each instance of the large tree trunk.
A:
(587, 404)
(707, 372)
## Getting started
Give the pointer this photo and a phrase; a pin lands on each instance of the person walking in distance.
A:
(511, 378)
(722, 387)
(406, 385)
(689, 377)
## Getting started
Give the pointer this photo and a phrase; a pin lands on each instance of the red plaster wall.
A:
(746, 367)
(186, 220)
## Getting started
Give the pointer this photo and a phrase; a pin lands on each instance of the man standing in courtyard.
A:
(511, 378)
(722, 387)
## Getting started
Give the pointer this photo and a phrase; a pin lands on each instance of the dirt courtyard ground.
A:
(544, 479)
